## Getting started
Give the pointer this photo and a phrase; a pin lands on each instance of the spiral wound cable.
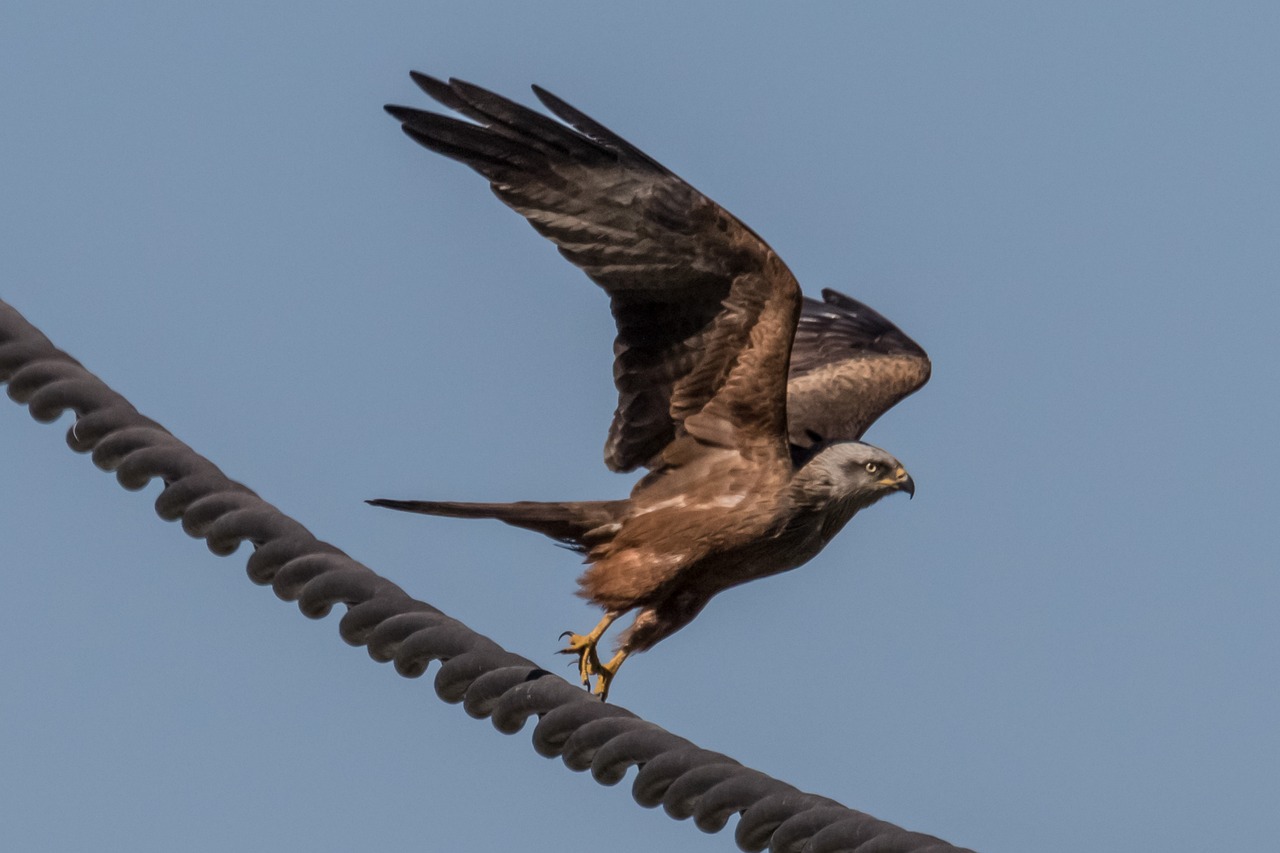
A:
(488, 680)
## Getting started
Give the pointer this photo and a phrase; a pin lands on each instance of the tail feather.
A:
(581, 524)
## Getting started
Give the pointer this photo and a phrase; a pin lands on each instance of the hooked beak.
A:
(901, 481)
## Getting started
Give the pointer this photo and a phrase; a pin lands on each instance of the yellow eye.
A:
(872, 467)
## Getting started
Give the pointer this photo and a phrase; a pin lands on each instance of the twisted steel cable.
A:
(488, 680)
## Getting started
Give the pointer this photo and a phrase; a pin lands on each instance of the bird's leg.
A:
(585, 647)
(605, 673)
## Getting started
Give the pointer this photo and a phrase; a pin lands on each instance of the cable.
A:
(488, 680)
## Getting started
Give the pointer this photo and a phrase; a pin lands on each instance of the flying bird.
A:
(743, 400)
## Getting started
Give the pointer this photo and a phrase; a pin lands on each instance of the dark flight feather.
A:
(705, 310)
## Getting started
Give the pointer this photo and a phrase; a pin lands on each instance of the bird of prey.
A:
(744, 401)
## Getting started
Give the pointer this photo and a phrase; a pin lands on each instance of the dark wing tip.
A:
(835, 297)
(549, 99)
(439, 90)
(577, 119)
(864, 311)
(593, 129)
(399, 113)
(856, 325)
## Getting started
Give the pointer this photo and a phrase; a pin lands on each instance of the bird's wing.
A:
(705, 310)
(849, 365)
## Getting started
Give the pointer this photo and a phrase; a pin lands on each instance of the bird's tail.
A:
(581, 524)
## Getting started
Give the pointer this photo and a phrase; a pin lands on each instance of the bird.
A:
(744, 401)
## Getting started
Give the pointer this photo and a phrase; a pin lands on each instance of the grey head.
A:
(849, 474)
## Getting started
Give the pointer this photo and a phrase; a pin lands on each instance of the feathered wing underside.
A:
(705, 310)
(849, 365)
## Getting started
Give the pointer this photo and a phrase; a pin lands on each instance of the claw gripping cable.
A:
(488, 680)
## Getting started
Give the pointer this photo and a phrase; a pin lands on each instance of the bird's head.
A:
(852, 473)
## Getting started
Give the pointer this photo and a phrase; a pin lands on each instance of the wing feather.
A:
(849, 365)
(705, 310)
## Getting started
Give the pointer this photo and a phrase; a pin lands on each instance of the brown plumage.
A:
(849, 365)
(749, 440)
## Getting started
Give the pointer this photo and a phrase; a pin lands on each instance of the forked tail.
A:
(581, 524)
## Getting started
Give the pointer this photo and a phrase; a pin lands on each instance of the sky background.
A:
(1069, 637)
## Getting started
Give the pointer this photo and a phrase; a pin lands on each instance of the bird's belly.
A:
(761, 559)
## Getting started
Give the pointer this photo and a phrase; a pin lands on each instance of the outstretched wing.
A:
(705, 310)
(849, 365)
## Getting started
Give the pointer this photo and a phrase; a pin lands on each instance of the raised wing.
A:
(849, 365)
(705, 310)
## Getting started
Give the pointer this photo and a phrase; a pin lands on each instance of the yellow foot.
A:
(585, 648)
(605, 673)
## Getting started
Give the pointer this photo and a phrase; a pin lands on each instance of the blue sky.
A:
(1069, 636)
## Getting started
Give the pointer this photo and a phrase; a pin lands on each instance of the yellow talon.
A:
(605, 673)
(584, 646)
(585, 649)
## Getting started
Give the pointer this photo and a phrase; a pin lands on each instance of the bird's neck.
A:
(820, 506)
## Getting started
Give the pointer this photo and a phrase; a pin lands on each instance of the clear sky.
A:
(1069, 637)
